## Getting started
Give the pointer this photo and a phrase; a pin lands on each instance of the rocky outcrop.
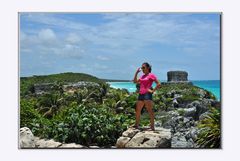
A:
(183, 122)
(135, 138)
(28, 140)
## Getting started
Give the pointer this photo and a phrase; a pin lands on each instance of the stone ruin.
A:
(71, 87)
(43, 88)
(177, 77)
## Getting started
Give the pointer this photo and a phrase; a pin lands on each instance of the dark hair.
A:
(148, 66)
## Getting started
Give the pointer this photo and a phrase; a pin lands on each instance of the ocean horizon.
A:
(212, 86)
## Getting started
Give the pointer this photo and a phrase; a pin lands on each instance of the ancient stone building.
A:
(42, 88)
(177, 76)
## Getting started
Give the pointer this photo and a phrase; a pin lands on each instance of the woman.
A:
(145, 93)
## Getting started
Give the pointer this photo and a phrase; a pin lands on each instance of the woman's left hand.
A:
(150, 91)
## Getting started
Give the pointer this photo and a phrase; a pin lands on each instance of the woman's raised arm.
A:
(135, 80)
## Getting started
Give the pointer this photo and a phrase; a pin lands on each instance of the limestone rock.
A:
(179, 141)
(94, 147)
(71, 145)
(193, 133)
(122, 141)
(42, 143)
(26, 138)
(135, 138)
(190, 112)
(201, 107)
(130, 132)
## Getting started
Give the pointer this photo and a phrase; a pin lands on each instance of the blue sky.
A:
(113, 45)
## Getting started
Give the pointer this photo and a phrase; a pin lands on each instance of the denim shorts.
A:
(146, 96)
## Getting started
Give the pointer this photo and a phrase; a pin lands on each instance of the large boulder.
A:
(26, 138)
(134, 138)
(43, 143)
(130, 132)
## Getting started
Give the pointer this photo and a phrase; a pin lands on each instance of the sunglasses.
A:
(143, 67)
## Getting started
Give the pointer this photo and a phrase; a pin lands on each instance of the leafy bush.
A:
(29, 117)
(162, 106)
(28, 112)
(131, 100)
(87, 125)
(210, 133)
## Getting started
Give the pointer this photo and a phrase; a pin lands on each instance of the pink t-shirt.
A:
(146, 82)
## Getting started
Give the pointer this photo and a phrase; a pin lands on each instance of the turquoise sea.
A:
(210, 85)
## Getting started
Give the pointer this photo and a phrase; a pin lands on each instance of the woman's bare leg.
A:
(139, 107)
(149, 105)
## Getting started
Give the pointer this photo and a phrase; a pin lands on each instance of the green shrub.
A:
(210, 133)
(29, 117)
(41, 127)
(162, 106)
(28, 112)
(88, 125)
(131, 100)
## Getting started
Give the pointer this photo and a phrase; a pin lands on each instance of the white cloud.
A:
(52, 21)
(103, 58)
(46, 41)
(73, 38)
(98, 66)
(131, 32)
(22, 36)
(72, 51)
(47, 35)
(83, 65)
